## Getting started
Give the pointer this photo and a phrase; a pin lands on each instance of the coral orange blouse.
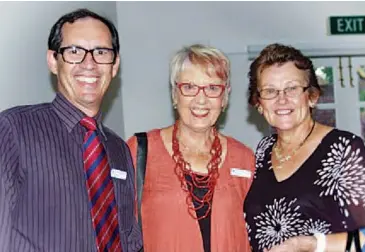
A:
(166, 223)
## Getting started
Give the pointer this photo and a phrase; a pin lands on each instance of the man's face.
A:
(84, 84)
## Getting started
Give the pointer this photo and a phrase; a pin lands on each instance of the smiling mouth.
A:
(283, 112)
(88, 80)
(200, 113)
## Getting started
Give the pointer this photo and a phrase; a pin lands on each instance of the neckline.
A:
(285, 158)
(299, 168)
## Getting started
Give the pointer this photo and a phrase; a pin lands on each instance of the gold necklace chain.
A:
(278, 152)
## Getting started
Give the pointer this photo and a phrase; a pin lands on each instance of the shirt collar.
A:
(70, 115)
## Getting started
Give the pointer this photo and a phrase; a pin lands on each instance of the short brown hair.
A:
(279, 54)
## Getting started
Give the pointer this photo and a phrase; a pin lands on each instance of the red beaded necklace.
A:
(207, 181)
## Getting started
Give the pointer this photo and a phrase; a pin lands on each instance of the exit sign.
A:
(347, 25)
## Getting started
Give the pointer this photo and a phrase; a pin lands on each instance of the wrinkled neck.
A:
(288, 139)
(195, 139)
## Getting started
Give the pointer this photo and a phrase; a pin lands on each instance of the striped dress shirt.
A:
(43, 197)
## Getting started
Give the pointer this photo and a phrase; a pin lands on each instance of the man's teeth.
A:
(283, 111)
(87, 79)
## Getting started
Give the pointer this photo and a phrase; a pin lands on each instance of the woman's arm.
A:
(334, 243)
(352, 171)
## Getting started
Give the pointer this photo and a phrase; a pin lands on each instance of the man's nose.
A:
(89, 61)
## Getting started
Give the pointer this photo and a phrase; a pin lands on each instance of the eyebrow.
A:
(206, 83)
(95, 47)
(287, 82)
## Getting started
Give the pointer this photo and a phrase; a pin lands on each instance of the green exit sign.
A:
(347, 25)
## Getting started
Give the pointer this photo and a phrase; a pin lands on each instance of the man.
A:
(67, 181)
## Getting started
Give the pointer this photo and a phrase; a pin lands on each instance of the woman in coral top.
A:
(196, 178)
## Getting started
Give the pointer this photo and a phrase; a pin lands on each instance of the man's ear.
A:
(116, 66)
(52, 62)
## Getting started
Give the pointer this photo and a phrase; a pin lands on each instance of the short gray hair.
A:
(200, 55)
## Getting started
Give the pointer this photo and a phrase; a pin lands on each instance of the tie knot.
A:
(89, 123)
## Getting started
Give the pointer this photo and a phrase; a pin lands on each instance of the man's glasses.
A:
(272, 93)
(77, 54)
(211, 90)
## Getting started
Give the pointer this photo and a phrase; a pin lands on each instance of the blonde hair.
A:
(210, 58)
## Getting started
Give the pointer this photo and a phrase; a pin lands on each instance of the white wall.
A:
(152, 31)
(24, 29)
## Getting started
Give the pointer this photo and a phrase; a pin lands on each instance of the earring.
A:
(174, 106)
(312, 105)
(260, 110)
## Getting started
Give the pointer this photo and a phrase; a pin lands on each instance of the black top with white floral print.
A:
(326, 194)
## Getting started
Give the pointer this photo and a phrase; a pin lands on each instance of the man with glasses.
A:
(67, 181)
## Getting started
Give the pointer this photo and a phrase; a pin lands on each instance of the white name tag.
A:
(118, 174)
(241, 173)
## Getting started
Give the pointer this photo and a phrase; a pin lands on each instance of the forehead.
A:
(198, 74)
(281, 74)
(87, 32)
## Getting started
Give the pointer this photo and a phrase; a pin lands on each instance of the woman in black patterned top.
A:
(309, 187)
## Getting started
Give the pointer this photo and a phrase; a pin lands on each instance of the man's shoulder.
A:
(22, 110)
(18, 117)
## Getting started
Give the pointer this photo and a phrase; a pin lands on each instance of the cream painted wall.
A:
(152, 31)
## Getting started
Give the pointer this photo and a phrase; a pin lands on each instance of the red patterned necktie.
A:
(100, 190)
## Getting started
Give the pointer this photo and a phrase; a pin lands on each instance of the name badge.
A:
(118, 174)
(241, 173)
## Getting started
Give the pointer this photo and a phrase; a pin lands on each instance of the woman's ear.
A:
(313, 98)
(260, 109)
(174, 98)
(226, 97)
